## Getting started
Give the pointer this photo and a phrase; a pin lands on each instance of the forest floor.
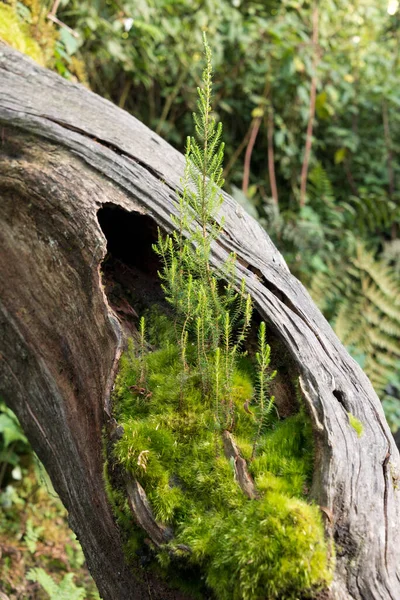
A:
(34, 534)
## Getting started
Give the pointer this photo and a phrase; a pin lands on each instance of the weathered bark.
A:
(141, 509)
(242, 474)
(65, 153)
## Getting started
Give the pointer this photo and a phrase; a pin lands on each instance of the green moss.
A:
(18, 34)
(356, 424)
(247, 549)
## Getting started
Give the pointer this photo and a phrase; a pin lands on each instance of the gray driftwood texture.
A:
(64, 153)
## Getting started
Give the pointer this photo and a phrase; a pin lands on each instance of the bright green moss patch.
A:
(17, 33)
(272, 547)
(356, 424)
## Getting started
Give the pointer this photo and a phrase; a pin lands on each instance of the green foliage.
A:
(356, 424)
(363, 302)
(32, 535)
(264, 405)
(17, 32)
(66, 590)
(391, 406)
(10, 429)
(34, 532)
(263, 54)
(13, 446)
(27, 27)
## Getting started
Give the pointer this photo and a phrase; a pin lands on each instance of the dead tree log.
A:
(70, 159)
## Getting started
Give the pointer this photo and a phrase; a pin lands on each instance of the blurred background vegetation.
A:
(309, 96)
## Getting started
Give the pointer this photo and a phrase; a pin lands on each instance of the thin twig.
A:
(124, 93)
(249, 150)
(271, 160)
(61, 24)
(237, 153)
(389, 149)
(54, 8)
(170, 99)
(313, 93)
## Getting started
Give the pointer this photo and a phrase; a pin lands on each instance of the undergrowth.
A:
(25, 25)
(364, 306)
(15, 31)
(40, 556)
(35, 540)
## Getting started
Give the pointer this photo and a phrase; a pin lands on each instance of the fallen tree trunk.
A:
(76, 174)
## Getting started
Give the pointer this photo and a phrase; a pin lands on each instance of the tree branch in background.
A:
(257, 114)
(313, 92)
(54, 8)
(125, 92)
(271, 160)
(388, 143)
(255, 126)
(349, 175)
(237, 153)
(52, 17)
(171, 98)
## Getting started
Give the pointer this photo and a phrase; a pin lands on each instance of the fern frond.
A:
(66, 590)
(364, 295)
(369, 213)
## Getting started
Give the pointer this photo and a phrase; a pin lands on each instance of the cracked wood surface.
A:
(143, 515)
(64, 153)
(242, 474)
